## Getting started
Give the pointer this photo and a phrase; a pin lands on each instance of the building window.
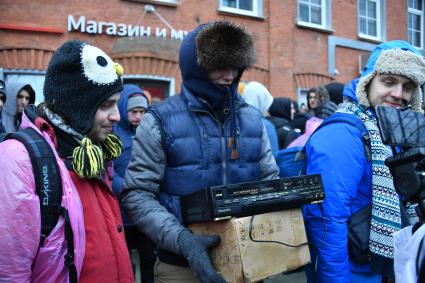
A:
(244, 7)
(371, 19)
(415, 23)
(314, 13)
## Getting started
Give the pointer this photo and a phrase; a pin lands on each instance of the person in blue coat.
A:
(132, 105)
(392, 77)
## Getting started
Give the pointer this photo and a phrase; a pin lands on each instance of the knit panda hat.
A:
(79, 78)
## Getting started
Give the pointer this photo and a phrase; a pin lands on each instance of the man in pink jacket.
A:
(81, 91)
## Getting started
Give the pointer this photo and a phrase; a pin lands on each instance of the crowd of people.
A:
(124, 162)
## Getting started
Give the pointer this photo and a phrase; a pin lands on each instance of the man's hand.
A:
(195, 249)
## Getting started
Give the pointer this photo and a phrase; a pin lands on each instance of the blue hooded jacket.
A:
(125, 132)
(336, 151)
(195, 139)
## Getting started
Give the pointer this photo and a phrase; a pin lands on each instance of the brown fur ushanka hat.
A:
(224, 44)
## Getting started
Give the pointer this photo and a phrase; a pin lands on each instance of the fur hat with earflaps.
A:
(396, 58)
(225, 44)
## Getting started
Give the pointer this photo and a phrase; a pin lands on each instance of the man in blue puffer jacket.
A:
(392, 77)
(132, 105)
(208, 135)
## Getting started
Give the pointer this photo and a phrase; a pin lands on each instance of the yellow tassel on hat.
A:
(119, 69)
(87, 159)
(112, 147)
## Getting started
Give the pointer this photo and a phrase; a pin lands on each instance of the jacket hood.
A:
(128, 90)
(281, 107)
(394, 57)
(12, 90)
(10, 107)
(258, 96)
(195, 76)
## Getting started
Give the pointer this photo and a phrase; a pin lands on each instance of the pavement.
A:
(294, 277)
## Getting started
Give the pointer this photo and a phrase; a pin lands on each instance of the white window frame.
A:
(257, 9)
(380, 21)
(326, 15)
(421, 14)
(302, 95)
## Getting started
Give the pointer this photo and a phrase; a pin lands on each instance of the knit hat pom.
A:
(119, 69)
(87, 159)
(112, 147)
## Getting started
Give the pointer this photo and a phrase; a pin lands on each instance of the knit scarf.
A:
(386, 218)
(87, 158)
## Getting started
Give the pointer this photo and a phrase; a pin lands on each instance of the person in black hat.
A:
(81, 91)
(208, 135)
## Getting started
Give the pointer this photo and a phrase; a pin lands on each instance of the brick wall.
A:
(283, 48)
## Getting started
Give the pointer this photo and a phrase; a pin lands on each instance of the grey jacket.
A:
(143, 179)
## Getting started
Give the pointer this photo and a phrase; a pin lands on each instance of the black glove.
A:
(195, 249)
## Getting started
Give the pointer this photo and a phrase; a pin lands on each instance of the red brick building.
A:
(300, 43)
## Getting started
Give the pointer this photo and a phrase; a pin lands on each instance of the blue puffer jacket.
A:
(125, 132)
(198, 154)
(337, 153)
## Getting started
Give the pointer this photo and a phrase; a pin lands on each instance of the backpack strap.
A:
(48, 184)
(47, 177)
(4, 136)
(355, 122)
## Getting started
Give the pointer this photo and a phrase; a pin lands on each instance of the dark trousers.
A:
(147, 252)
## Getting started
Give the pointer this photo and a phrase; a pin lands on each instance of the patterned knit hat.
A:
(397, 58)
(79, 78)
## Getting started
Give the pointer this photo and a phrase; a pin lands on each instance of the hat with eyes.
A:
(79, 78)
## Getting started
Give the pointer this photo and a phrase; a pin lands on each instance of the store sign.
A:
(109, 28)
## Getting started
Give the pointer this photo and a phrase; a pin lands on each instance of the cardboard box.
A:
(239, 259)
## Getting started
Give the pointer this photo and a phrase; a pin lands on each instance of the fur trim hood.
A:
(397, 58)
(225, 44)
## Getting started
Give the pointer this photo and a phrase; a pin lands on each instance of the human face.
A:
(135, 115)
(390, 90)
(106, 116)
(22, 100)
(223, 77)
(312, 99)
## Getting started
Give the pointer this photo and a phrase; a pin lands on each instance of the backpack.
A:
(292, 161)
(48, 183)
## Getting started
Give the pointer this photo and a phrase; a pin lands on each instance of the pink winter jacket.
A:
(21, 260)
